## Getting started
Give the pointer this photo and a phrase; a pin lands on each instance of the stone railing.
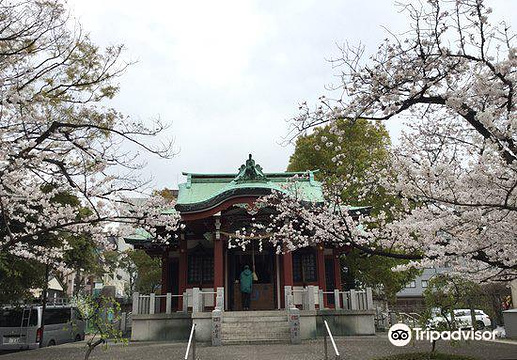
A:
(347, 300)
(199, 298)
(356, 299)
(162, 304)
(156, 304)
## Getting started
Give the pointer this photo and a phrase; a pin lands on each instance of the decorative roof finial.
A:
(250, 172)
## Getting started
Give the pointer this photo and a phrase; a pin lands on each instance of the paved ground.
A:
(352, 348)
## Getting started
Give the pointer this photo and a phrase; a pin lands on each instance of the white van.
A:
(20, 327)
(464, 320)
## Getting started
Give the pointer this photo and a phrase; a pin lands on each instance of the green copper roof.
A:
(207, 190)
(138, 235)
(170, 211)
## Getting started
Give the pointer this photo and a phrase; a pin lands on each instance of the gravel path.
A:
(351, 348)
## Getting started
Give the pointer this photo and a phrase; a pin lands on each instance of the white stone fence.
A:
(347, 300)
(162, 304)
(200, 300)
(155, 304)
(201, 297)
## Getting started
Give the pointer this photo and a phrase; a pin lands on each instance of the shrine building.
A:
(202, 263)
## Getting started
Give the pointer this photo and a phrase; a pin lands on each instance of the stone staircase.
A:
(245, 327)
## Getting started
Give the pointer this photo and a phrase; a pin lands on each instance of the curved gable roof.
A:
(204, 191)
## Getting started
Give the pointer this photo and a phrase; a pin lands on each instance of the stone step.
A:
(250, 332)
(257, 326)
(260, 337)
(253, 332)
(256, 341)
(258, 313)
(239, 319)
(252, 335)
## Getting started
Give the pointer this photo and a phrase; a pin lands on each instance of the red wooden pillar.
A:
(320, 260)
(337, 269)
(165, 272)
(286, 276)
(165, 278)
(288, 268)
(182, 268)
(218, 263)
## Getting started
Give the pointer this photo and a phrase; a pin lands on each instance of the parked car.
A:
(21, 327)
(463, 319)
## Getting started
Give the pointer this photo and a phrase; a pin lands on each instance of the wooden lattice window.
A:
(200, 268)
(304, 267)
(208, 269)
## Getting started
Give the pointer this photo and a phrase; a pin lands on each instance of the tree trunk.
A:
(44, 296)
(473, 316)
(92, 346)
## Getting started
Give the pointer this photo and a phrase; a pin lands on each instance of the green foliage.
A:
(149, 271)
(363, 144)
(112, 260)
(17, 277)
(102, 314)
(493, 299)
(447, 293)
(375, 271)
(83, 254)
(361, 147)
(84, 258)
(426, 356)
(145, 272)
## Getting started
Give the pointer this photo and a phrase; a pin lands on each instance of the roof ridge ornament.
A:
(250, 172)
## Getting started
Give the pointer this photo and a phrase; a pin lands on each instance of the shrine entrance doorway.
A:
(264, 290)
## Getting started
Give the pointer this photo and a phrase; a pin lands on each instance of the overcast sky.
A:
(228, 74)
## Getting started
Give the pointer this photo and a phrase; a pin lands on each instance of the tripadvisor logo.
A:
(401, 334)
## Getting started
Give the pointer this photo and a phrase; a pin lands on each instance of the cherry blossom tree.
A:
(452, 78)
(58, 136)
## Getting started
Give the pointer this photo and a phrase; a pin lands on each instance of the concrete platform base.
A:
(176, 326)
(161, 327)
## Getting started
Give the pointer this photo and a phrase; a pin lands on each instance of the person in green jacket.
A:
(246, 281)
